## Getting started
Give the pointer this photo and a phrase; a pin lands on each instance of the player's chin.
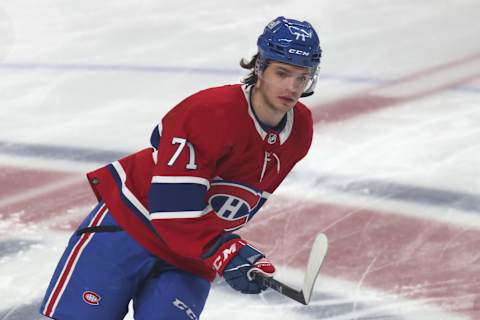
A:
(286, 106)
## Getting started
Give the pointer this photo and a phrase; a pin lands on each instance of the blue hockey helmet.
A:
(293, 42)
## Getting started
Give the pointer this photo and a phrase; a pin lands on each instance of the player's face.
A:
(282, 84)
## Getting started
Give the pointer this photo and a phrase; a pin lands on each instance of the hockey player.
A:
(165, 223)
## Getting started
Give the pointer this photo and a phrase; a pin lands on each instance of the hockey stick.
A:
(315, 260)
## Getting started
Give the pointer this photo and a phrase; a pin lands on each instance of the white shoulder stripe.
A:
(180, 179)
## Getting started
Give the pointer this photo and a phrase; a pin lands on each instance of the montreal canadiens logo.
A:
(228, 207)
(91, 298)
(233, 202)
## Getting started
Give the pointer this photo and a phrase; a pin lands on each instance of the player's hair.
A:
(251, 78)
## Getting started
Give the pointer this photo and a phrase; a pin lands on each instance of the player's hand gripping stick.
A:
(238, 262)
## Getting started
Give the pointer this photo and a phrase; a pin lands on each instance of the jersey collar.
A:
(287, 129)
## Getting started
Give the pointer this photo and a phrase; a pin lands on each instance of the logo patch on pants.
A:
(91, 298)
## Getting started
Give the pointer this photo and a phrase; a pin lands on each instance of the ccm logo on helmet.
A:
(299, 52)
(91, 298)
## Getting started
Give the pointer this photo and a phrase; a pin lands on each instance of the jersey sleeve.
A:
(189, 143)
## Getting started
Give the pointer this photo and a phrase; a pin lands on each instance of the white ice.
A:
(432, 142)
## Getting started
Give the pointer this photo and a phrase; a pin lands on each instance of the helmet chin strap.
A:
(307, 94)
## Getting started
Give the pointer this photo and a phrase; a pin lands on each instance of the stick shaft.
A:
(280, 287)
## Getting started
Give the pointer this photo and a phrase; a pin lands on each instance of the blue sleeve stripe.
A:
(177, 197)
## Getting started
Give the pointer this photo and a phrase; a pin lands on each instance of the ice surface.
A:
(392, 178)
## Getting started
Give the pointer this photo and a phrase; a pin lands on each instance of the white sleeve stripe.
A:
(180, 179)
(176, 215)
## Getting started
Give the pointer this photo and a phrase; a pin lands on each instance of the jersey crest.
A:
(234, 202)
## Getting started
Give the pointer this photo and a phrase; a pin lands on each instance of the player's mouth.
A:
(286, 99)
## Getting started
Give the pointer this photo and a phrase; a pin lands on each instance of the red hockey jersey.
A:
(211, 167)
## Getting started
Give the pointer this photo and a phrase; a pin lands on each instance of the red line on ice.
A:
(15, 179)
(42, 205)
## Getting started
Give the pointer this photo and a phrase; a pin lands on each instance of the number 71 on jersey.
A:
(191, 151)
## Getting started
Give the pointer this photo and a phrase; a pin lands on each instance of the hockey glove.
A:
(236, 260)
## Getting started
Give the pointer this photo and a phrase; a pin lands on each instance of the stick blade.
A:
(315, 261)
